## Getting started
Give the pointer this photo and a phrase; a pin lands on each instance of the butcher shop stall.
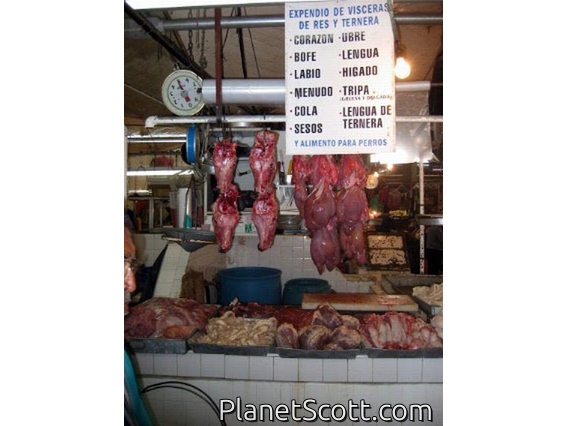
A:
(283, 249)
(289, 284)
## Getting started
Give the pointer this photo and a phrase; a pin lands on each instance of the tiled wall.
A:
(275, 380)
(148, 247)
(290, 254)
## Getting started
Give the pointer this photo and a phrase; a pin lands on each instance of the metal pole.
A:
(265, 21)
(421, 209)
(159, 121)
(271, 91)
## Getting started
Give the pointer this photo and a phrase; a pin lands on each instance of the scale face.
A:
(182, 93)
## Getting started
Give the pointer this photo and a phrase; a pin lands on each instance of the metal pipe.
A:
(421, 210)
(158, 121)
(265, 21)
(157, 139)
(172, 48)
(247, 91)
(272, 91)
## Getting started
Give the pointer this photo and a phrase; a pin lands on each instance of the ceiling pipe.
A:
(272, 91)
(171, 47)
(159, 121)
(264, 21)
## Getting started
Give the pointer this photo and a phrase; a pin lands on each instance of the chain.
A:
(190, 38)
(202, 58)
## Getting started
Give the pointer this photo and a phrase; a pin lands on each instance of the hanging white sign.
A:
(340, 96)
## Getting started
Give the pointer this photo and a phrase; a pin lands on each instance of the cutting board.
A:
(360, 302)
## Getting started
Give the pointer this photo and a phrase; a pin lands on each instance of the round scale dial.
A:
(182, 92)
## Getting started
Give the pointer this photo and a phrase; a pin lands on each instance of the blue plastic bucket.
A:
(295, 288)
(250, 284)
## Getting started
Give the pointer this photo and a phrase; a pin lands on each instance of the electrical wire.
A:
(173, 384)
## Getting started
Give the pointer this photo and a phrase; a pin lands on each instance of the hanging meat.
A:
(300, 180)
(320, 213)
(262, 162)
(336, 210)
(225, 163)
(352, 207)
(265, 219)
(319, 209)
(225, 208)
(354, 244)
(226, 218)
(324, 249)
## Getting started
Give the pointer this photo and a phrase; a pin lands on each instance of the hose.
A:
(173, 384)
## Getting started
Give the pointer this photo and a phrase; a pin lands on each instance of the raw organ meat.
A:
(253, 310)
(352, 171)
(287, 336)
(397, 330)
(353, 244)
(225, 163)
(167, 317)
(320, 213)
(265, 218)
(438, 323)
(319, 209)
(350, 321)
(262, 161)
(327, 316)
(225, 218)
(352, 208)
(324, 249)
(265, 208)
(313, 336)
(225, 208)
(344, 337)
(323, 167)
(300, 179)
(297, 317)
(320, 328)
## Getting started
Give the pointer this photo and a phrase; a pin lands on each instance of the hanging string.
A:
(202, 58)
(190, 38)
(252, 46)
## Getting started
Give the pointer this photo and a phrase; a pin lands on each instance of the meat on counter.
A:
(231, 330)
(397, 330)
(320, 328)
(166, 317)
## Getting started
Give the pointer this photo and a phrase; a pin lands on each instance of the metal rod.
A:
(218, 65)
(153, 121)
(421, 210)
(265, 21)
(171, 47)
(272, 91)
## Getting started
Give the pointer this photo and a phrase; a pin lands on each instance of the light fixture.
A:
(154, 172)
(401, 67)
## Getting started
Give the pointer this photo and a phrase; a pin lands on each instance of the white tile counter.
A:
(272, 379)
